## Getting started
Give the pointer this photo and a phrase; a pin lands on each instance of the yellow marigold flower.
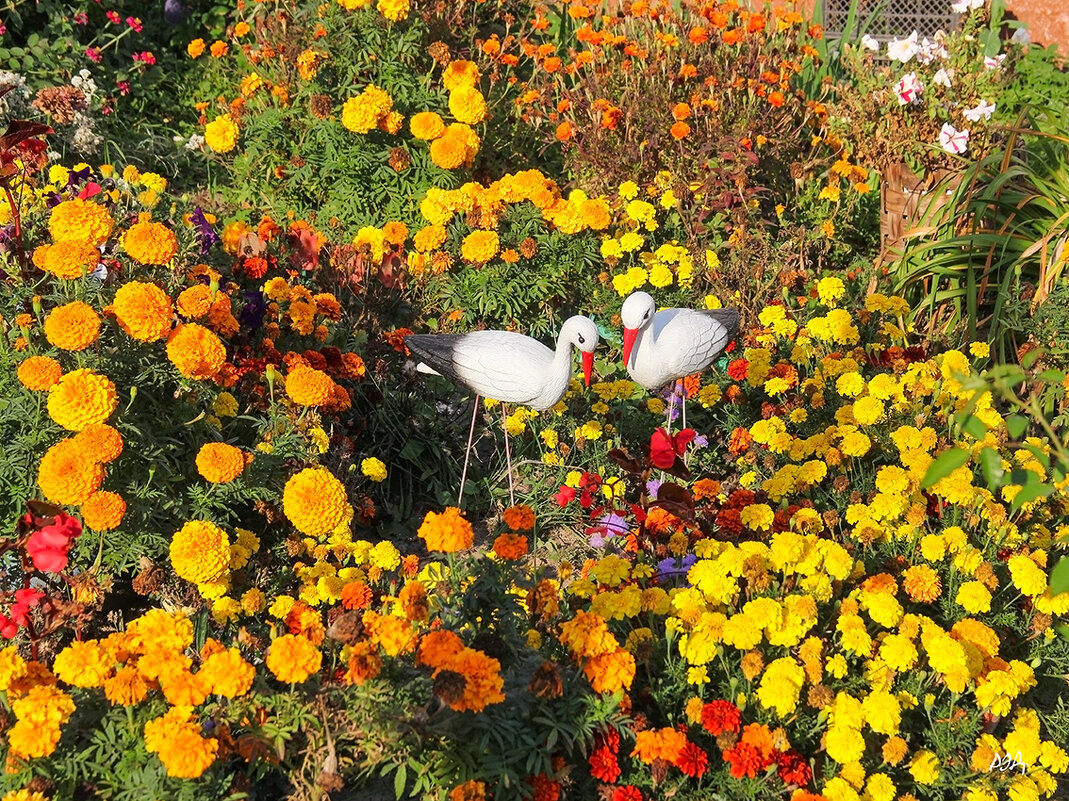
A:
(83, 664)
(924, 767)
(39, 373)
(200, 552)
(196, 48)
(460, 73)
(980, 350)
(82, 220)
(103, 511)
(150, 243)
(456, 147)
(307, 386)
(974, 597)
(1027, 576)
(426, 125)
(221, 134)
(227, 673)
(220, 463)
(100, 442)
(921, 583)
(178, 742)
(479, 246)
(196, 351)
(40, 712)
(143, 311)
(66, 476)
(447, 532)
(314, 501)
(68, 258)
(292, 658)
(74, 326)
(374, 469)
(81, 398)
(126, 688)
(394, 10)
(468, 105)
(361, 114)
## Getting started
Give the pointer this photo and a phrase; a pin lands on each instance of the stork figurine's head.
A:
(636, 314)
(582, 333)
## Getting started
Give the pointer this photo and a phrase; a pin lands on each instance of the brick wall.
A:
(1047, 21)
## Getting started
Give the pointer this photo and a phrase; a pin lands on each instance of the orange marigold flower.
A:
(455, 147)
(178, 742)
(426, 125)
(103, 511)
(220, 463)
(82, 220)
(681, 111)
(429, 238)
(227, 673)
(680, 130)
(705, 488)
(307, 386)
(314, 501)
(364, 663)
(195, 302)
(653, 744)
(39, 373)
(67, 258)
(356, 595)
(447, 532)
(564, 131)
(611, 672)
(292, 659)
(143, 310)
(468, 105)
(83, 663)
(150, 243)
(100, 442)
(196, 351)
(66, 476)
(922, 583)
(520, 517)
(482, 680)
(460, 73)
(74, 326)
(698, 35)
(81, 398)
(437, 648)
(126, 688)
(510, 546)
(479, 247)
(200, 552)
(468, 791)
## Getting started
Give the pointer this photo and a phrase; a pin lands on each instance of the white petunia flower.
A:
(952, 140)
(903, 49)
(909, 89)
(941, 78)
(984, 110)
(870, 43)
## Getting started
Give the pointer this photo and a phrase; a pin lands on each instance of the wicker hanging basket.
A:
(908, 201)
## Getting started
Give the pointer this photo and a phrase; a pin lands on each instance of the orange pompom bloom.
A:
(81, 398)
(66, 476)
(520, 517)
(364, 663)
(447, 532)
(426, 125)
(196, 351)
(681, 111)
(307, 386)
(103, 511)
(680, 130)
(82, 220)
(511, 546)
(293, 658)
(143, 310)
(100, 442)
(39, 373)
(150, 243)
(564, 131)
(67, 258)
(220, 463)
(195, 302)
(74, 326)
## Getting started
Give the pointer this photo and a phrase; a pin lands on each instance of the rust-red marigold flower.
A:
(604, 766)
(693, 761)
(721, 716)
(745, 761)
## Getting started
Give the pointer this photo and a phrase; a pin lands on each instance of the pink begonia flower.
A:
(93, 54)
(113, 16)
(47, 547)
(909, 89)
(134, 23)
(953, 140)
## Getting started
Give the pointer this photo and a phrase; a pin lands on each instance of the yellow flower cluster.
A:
(371, 109)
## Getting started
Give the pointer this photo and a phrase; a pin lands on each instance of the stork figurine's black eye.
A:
(646, 315)
(582, 339)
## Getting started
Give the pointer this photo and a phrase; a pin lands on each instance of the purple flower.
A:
(208, 237)
(673, 567)
(653, 486)
(76, 177)
(609, 525)
(53, 199)
(700, 441)
(252, 315)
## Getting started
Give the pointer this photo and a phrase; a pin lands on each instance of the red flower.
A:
(692, 760)
(545, 788)
(608, 738)
(745, 760)
(721, 716)
(565, 495)
(664, 449)
(603, 765)
(792, 768)
(626, 793)
(48, 546)
(737, 369)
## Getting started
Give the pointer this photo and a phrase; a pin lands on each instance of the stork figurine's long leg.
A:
(508, 455)
(467, 453)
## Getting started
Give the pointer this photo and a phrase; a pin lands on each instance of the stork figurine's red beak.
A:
(588, 365)
(629, 343)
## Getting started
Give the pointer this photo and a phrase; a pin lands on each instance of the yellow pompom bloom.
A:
(39, 373)
(468, 105)
(447, 532)
(150, 243)
(293, 658)
(196, 351)
(103, 511)
(200, 552)
(426, 125)
(394, 10)
(221, 134)
(81, 398)
(220, 463)
(83, 664)
(195, 302)
(82, 220)
(307, 386)
(830, 289)
(143, 311)
(460, 73)
(374, 469)
(479, 247)
(100, 442)
(314, 501)
(178, 742)
(924, 767)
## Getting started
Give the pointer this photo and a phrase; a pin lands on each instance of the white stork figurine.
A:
(664, 346)
(508, 367)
